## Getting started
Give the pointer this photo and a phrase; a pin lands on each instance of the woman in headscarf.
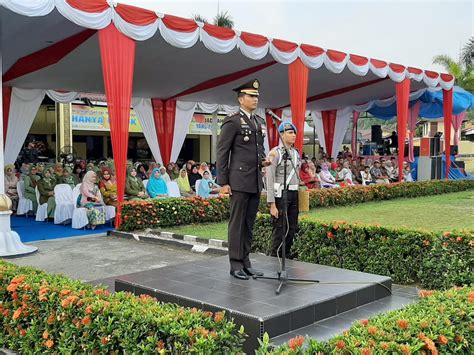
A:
(134, 188)
(142, 171)
(31, 180)
(170, 171)
(58, 172)
(175, 172)
(164, 174)
(152, 166)
(79, 171)
(189, 166)
(156, 186)
(208, 188)
(183, 184)
(90, 199)
(46, 190)
(10, 185)
(194, 176)
(108, 187)
(40, 169)
(68, 178)
(202, 168)
(327, 180)
(306, 176)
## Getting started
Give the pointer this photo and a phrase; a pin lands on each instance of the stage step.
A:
(206, 284)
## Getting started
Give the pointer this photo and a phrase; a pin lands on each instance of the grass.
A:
(435, 213)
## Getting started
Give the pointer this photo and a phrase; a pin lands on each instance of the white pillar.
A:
(10, 243)
(215, 128)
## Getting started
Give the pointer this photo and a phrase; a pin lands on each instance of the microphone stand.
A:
(282, 274)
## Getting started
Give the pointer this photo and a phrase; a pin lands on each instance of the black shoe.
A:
(252, 272)
(239, 274)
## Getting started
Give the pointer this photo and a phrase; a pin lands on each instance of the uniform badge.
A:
(246, 138)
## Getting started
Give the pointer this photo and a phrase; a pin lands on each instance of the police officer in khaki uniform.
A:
(275, 174)
(240, 158)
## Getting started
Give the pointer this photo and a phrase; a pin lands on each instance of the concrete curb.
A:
(188, 242)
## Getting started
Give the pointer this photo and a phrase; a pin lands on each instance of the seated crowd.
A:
(346, 171)
(99, 187)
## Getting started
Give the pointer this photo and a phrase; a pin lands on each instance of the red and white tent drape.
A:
(457, 123)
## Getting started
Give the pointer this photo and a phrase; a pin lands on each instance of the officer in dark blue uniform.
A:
(240, 158)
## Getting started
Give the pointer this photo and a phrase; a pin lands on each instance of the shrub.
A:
(155, 213)
(434, 260)
(44, 313)
(169, 212)
(442, 322)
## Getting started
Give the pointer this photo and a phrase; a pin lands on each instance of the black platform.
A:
(207, 285)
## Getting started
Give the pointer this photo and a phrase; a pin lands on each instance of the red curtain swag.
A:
(329, 126)
(403, 95)
(6, 99)
(298, 80)
(117, 53)
(164, 115)
(272, 132)
(448, 118)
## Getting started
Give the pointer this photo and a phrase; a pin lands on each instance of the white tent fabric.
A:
(24, 105)
(318, 126)
(184, 115)
(342, 122)
(144, 111)
(62, 97)
(184, 33)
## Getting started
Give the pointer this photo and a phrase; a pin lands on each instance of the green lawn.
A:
(436, 213)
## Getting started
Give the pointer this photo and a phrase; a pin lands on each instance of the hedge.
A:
(441, 323)
(45, 314)
(435, 260)
(156, 213)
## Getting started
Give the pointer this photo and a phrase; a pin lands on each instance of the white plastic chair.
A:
(42, 211)
(173, 189)
(25, 205)
(196, 186)
(79, 214)
(64, 203)
(145, 182)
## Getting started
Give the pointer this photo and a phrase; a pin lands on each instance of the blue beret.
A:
(287, 126)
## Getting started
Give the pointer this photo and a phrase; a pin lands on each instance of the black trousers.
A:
(280, 227)
(243, 211)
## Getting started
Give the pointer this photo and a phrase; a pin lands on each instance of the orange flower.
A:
(330, 235)
(49, 343)
(384, 346)
(366, 351)
(403, 323)
(425, 293)
(89, 309)
(65, 292)
(405, 349)
(219, 317)
(458, 338)
(22, 332)
(86, 320)
(340, 344)
(190, 333)
(442, 340)
(160, 345)
(45, 335)
(372, 330)
(296, 342)
(424, 324)
(17, 314)
(364, 322)
(104, 340)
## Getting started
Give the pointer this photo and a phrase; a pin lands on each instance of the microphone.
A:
(274, 116)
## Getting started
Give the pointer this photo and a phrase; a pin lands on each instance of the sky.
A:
(399, 31)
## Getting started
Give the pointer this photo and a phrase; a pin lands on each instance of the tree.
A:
(223, 19)
(200, 18)
(462, 69)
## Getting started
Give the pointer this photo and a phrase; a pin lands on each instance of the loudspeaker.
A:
(454, 150)
(435, 146)
(430, 146)
(429, 168)
(461, 164)
(377, 134)
(436, 168)
(416, 150)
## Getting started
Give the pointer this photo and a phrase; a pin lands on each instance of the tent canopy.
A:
(53, 44)
(431, 104)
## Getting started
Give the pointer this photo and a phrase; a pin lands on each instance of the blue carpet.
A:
(30, 230)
